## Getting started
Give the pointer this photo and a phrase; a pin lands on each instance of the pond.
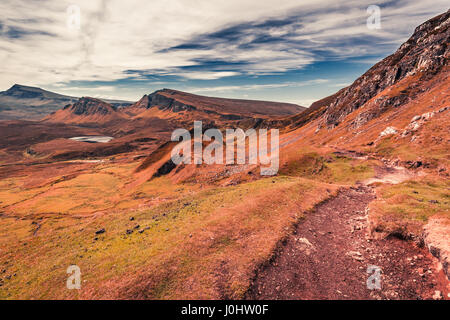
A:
(93, 139)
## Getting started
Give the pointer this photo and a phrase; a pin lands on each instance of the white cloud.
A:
(257, 86)
(195, 75)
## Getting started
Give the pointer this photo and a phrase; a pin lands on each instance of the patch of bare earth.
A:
(328, 255)
(390, 174)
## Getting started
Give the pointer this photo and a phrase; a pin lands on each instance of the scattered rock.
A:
(437, 295)
(355, 255)
(304, 245)
(421, 272)
(435, 237)
(388, 131)
(131, 218)
(100, 231)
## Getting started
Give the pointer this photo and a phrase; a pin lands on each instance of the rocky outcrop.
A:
(424, 55)
(388, 131)
(90, 106)
(218, 108)
(166, 168)
(143, 103)
(436, 238)
(161, 100)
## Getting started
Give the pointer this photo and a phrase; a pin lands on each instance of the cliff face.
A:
(228, 109)
(424, 55)
(160, 100)
(86, 110)
(90, 106)
(163, 102)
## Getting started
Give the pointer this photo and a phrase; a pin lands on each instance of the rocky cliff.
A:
(424, 55)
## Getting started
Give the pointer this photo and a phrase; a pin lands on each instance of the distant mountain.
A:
(86, 110)
(176, 101)
(32, 103)
(171, 105)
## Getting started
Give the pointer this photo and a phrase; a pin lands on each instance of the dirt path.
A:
(328, 255)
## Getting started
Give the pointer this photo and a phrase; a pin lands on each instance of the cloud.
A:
(258, 86)
(208, 75)
(188, 39)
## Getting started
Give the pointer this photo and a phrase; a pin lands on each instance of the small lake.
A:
(93, 139)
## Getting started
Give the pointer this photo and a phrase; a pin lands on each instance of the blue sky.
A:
(283, 50)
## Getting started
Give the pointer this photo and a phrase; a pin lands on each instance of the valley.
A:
(363, 181)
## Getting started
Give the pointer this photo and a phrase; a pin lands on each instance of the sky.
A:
(280, 50)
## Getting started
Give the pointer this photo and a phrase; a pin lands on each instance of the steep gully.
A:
(330, 253)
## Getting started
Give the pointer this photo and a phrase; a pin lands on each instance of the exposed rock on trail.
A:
(436, 235)
(328, 255)
(390, 174)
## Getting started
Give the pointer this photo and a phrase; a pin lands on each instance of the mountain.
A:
(32, 103)
(86, 110)
(423, 57)
(420, 59)
(398, 109)
(177, 101)
(171, 105)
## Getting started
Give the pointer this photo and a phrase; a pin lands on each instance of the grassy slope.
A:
(403, 209)
(203, 245)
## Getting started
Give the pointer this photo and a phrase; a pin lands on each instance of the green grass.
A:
(409, 205)
(187, 241)
(329, 168)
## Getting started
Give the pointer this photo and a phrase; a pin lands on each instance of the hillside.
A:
(31, 103)
(86, 110)
(175, 106)
(178, 100)
(424, 55)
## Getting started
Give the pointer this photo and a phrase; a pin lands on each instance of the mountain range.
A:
(32, 103)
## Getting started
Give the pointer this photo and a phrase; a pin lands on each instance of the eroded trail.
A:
(328, 255)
